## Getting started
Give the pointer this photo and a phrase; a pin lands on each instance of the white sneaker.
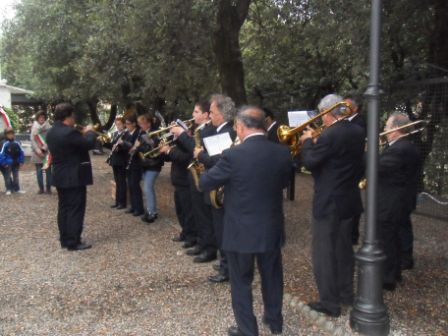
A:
(21, 191)
(8, 192)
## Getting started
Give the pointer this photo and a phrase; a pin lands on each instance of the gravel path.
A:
(136, 281)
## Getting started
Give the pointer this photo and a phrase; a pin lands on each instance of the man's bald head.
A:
(252, 117)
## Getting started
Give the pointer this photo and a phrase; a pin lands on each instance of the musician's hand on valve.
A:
(197, 151)
(307, 134)
(177, 131)
(164, 148)
(86, 129)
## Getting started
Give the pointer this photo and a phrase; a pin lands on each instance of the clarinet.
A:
(114, 148)
(131, 156)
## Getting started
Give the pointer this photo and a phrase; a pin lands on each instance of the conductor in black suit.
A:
(335, 160)
(253, 174)
(398, 170)
(72, 172)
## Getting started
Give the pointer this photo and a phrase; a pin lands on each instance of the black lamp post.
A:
(369, 315)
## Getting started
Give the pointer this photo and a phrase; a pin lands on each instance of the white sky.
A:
(7, 9)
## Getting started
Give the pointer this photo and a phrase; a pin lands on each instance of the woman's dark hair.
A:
(132, 118)
(120, 118)
(204, 106)
(63, 111)
(40, 114)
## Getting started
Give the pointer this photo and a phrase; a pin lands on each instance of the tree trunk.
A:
(93, 111)
(226, 46)
(112, 116)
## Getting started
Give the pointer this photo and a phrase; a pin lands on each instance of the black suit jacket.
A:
(336, 163)
(210, 161)
(187, 141)
(70, 156)
(120, 155)
(129, 141)
(180, 159)
(359, 120)
(398, 172)
(272, 133)
(254, 174)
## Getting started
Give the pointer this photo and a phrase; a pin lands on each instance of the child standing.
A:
(11, 158)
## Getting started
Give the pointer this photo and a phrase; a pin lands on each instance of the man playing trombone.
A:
(398, 169)
(335, 160)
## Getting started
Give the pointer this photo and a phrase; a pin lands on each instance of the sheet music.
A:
(215, 144)
(297, 118)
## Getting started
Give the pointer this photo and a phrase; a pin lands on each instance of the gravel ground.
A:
(135, 281)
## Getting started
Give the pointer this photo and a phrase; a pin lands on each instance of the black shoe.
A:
(204, 257)
(138, 213)
(188, 244)
(178, 239)
(217, 267)
(148, 218)
(274, 330)
(129, 211)
(120, 206)
(389, 286)
(79, 247)
(114, 206)
(194, 251)
(234, 331)
(317, 306)
(218, 278)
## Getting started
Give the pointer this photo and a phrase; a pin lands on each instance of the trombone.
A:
(421, 124)
(290, 135)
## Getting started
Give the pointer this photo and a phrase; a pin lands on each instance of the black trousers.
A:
(406, 236)
(333, 260)
(389, 230)
(218, 226)
(120, 185)
(184, 212)
(134, 176)
(71, 211)
(202, 213)
(355, 229)
(241, 266)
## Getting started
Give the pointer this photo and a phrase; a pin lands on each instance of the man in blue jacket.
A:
(253, 174)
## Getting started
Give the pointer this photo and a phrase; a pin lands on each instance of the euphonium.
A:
(104, 137)
(290, 135)
(196, 167)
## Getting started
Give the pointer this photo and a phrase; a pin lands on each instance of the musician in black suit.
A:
(358, 119)
(133, 168)
(206, 247)
(335, 162)
(253, 174)
(271, 125)
(180, 158)
(71, 173)
(398, 169)
(118, 159)
(222, 112)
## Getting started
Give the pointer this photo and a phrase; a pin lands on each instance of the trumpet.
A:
(290, 135)
(104, 137)
(383, 141)
(164, 136)
(163, 132)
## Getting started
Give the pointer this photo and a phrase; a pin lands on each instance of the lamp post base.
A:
(369, 314)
